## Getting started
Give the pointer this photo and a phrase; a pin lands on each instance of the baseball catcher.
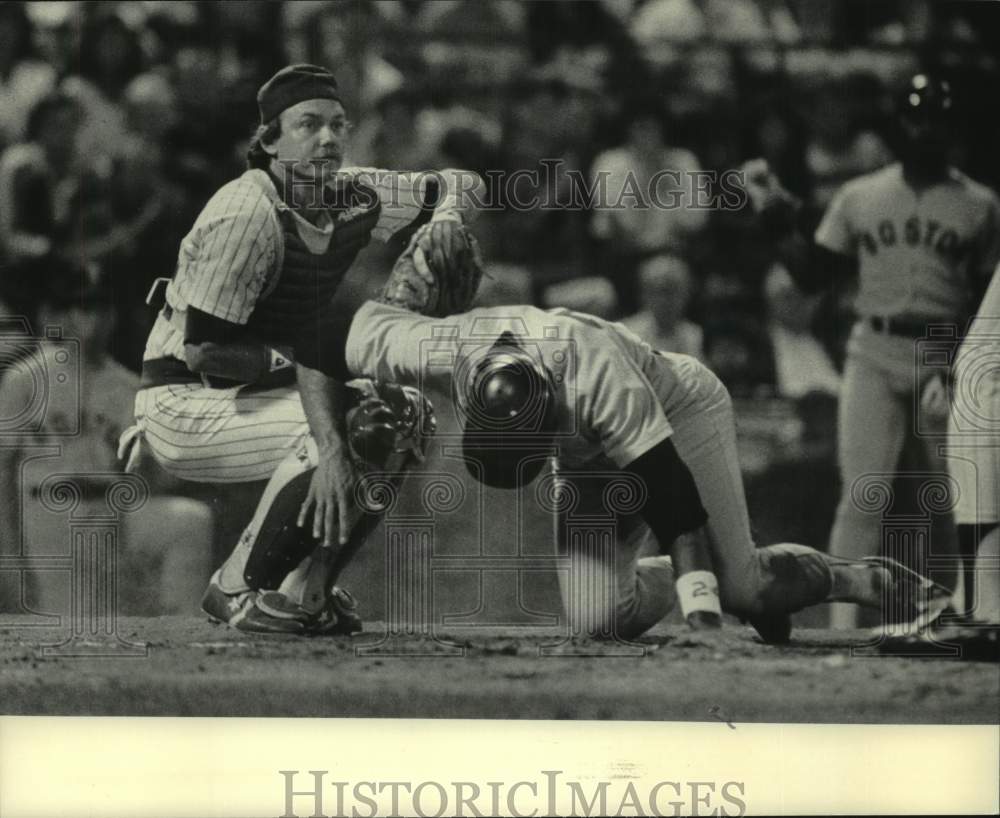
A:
(240, 382)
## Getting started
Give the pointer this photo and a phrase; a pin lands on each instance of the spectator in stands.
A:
(396, 142)
(24, 79)
(843, 144)
(665, 291)
(39, 180)
(648, 207)
(86, 407)
(593, 295)
(544, 222)
(110, 57)
(50, 204)
(660, 24)
(736, 350)
(801, 363)
(149, 205)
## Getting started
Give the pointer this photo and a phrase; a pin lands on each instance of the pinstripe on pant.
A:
(222, 435)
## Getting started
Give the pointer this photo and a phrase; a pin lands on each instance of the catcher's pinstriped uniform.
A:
(921, 253)
(229, 264)
(616, 399)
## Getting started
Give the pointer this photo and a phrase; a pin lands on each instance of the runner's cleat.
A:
(918, 600)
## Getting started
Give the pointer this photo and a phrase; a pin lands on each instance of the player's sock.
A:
(306, 585)
(230, 575)
(794, 576)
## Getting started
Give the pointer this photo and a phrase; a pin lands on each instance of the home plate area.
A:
(188, 666)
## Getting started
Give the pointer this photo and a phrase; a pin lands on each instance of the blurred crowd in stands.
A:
(120, 119)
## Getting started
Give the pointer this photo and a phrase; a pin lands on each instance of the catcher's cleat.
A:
(240, 611)
(773, 628)
(918, 600)
(338, 616)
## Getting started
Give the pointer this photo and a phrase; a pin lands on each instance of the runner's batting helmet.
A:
(925, 109)
(926, 98)
(510, 419)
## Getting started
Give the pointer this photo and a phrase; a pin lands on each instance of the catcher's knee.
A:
(280, 544)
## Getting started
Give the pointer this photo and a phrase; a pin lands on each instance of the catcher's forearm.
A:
(242, 362)
(325, 402)
(462, 194)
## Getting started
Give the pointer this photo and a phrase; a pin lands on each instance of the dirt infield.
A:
(193, 667)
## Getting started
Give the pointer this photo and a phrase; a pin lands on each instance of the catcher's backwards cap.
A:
(509, 407)
(294, 84)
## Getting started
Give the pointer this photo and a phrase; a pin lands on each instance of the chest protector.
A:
(306, 281)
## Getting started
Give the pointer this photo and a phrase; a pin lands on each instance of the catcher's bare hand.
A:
(438, 273)
(331, 498)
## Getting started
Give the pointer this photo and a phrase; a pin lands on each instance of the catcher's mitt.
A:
(438, 273)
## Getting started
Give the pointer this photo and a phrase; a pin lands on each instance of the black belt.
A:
(163, 371)
(87, 486)
(168, 371)
(905, 327)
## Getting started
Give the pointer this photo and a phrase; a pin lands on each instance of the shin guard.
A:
(280, 544)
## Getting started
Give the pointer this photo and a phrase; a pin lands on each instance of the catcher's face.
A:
(313, 139)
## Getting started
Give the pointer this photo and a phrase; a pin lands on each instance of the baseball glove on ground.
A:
(438, 273)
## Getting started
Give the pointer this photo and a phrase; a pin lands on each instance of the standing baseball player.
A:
(534, 384)
(922, 239)
(235, 382)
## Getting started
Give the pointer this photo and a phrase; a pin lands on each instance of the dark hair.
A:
(257, 157)
(14, 15)
(645, 108)
(90, 52)
(42, 109)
